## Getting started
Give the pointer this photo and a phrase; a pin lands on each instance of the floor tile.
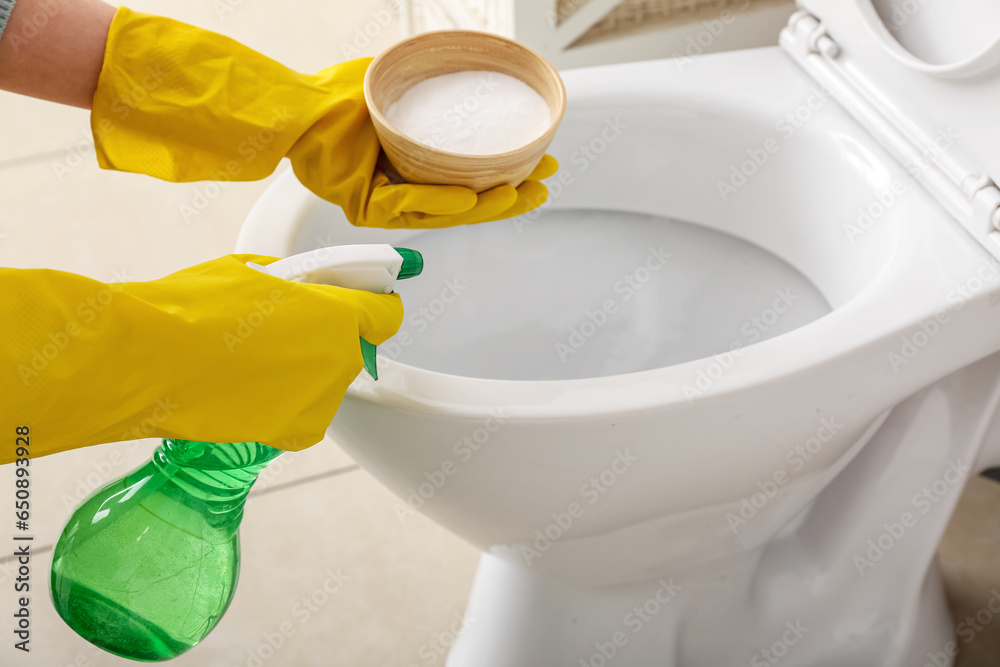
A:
(33, 126)
(113, 226)
(970, 563)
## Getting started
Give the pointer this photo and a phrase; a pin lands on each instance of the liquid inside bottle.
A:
(146, 567)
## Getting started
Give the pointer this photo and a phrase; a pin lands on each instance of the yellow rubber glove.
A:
(219, 352)
(185, 104)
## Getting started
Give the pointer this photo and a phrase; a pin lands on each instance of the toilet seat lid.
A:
(923, 76)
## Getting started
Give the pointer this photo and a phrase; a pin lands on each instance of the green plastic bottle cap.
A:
(413, 263)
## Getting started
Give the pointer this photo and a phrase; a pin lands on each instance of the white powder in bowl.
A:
(473, 113)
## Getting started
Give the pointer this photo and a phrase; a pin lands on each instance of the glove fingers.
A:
(501, 203)
(489, 206)
(379, 315)
(389, 201)
(530, 195)
(437, 206)
(548, 166)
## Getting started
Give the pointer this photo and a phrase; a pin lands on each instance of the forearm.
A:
(53, 49)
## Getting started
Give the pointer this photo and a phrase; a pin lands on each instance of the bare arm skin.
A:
(54, 49)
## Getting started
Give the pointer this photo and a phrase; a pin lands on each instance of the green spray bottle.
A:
(146, 567)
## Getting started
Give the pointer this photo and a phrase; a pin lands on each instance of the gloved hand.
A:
(184, 104)
(218, 352)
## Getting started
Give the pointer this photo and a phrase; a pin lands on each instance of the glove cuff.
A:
(184, 104)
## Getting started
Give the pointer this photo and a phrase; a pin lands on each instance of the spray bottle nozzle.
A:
(413, 264)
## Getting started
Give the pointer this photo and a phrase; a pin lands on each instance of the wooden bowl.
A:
(430, 54)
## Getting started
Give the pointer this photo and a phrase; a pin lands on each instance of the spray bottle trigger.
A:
(412, 265)
(368, 353)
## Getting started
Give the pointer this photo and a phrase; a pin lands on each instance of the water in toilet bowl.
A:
(576, 301)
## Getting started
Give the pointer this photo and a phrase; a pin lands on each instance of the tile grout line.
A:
(34, 552)
(24, 160)
(312, 478)
(336, 472)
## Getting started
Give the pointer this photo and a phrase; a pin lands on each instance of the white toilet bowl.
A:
(711, 405)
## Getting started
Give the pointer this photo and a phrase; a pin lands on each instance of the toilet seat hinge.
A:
(925, 151)
(810, 36)
(985, 197)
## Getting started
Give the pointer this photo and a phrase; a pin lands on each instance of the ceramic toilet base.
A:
(851, 580)
(517, 618)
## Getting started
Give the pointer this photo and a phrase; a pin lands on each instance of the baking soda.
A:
(473, 113)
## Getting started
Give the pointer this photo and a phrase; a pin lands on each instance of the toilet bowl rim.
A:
(405, 387)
